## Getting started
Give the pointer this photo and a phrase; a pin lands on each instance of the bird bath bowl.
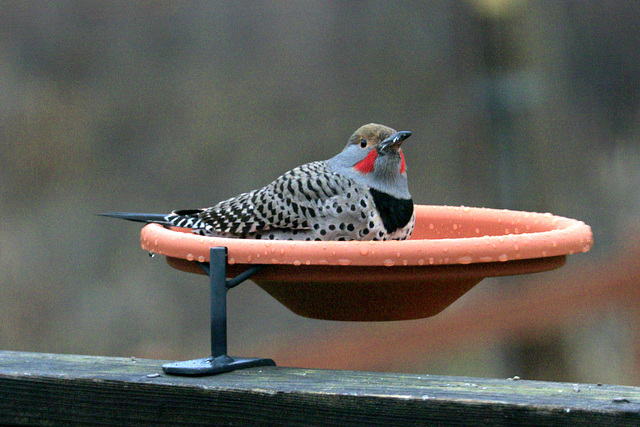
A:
(450, 251)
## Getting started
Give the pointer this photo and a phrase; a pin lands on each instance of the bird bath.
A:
(451, 250)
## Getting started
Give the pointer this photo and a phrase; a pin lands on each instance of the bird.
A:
(360, 194)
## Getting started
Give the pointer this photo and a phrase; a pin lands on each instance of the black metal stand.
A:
(219, 361)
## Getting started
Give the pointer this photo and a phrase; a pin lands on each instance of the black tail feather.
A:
(138, 217)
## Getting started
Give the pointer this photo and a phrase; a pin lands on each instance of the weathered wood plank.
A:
(53, 389)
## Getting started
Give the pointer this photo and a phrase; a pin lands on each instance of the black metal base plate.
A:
(211, 365)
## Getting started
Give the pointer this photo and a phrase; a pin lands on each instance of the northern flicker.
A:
(360, 194)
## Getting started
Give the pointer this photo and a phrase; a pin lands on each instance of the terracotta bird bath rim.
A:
(451, 250)
(442, 235)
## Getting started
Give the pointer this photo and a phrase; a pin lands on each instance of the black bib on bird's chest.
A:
(395, 213)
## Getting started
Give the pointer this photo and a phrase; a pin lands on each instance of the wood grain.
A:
(53, 389)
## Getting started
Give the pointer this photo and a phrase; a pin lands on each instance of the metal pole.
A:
(219, 361)
(218, 279)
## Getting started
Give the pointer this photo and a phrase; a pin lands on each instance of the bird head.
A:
(376, 148)
(373, 156)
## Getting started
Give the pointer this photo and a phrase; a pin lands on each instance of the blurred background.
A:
(156, 105)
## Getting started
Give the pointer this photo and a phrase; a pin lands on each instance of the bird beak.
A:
(394, 141)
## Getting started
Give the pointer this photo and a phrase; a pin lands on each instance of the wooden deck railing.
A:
(53, 389)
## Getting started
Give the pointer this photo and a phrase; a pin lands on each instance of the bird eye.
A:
(363, 143)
